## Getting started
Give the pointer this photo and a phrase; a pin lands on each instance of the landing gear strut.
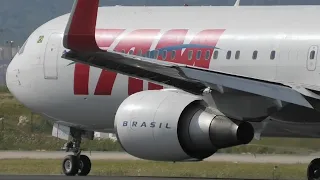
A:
(313, 171)
(76, 164)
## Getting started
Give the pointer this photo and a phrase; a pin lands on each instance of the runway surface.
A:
(100, 178)
(246, 158)
(281, 159)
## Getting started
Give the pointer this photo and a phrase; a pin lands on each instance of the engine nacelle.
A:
(175, 126)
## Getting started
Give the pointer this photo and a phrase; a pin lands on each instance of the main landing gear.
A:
(76, 164)
(313, 171)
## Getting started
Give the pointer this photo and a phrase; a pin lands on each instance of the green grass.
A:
(4, 89)
(148, 168)
(36, 135)
(278, 146)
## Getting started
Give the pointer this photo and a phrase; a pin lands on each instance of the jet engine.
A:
(175, 126)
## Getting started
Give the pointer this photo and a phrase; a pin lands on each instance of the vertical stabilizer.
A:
(79, 34)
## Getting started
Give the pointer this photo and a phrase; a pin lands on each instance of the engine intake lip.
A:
(117, 136)
(245, 132)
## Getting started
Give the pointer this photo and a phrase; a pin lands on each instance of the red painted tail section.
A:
(80, 31)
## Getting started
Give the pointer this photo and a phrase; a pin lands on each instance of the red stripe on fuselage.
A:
(105, 83)
(105, 38)
(140, 41)
(81, 79)
(172, 37)
(208, 37)
(152, 86)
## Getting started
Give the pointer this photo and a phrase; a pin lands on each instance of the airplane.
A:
(173, 83)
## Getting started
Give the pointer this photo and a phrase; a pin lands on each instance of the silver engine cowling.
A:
(175, 126)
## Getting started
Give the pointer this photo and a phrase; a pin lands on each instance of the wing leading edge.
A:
(79, 37)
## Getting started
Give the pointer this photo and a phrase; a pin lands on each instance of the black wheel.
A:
(85, 165)
(70, 165)
(313, 171)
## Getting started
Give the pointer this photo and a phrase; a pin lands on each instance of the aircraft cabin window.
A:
(312, 54)
(207, 54)
(164, 55)
(237, 56)
(255, 55)
(190, 54)
(198, 54)
(228, 55)
(148, 54)
(151, 54)
(173, 55)
(156, 54)
(131, 52)
(273, 55)
(215, 54)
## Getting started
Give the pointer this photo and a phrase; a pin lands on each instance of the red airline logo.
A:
(140, 41)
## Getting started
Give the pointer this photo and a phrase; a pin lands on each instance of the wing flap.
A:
(262, 88)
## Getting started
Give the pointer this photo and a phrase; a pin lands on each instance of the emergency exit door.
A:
(50, 64)
(312, 58)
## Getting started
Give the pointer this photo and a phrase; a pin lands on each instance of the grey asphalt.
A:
(240, 158)
(42, 177)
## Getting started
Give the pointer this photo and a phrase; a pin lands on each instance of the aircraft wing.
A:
(79, 37)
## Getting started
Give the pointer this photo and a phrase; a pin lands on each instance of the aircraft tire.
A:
(70, 165)
(85, 165)
(313, 171)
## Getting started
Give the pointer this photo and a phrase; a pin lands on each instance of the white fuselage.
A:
(286, 41)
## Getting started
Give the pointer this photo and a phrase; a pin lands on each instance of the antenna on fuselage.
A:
(237, 3)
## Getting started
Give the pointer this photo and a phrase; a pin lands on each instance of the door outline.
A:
(312, 63)
(50, 64)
